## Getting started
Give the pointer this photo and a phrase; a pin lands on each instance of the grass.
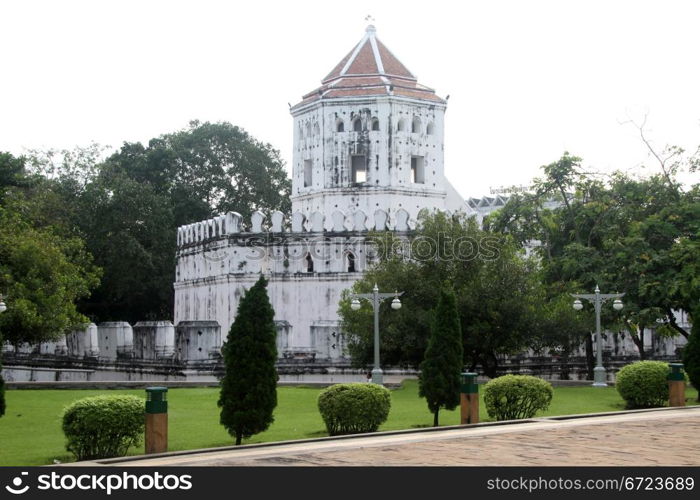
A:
(30, 431)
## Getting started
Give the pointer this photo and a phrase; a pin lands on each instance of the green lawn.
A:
(30, 431)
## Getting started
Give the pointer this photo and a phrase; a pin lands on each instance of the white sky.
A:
(527, 79)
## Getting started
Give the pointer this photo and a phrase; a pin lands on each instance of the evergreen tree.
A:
(691, 352)
(2, 389)
(439, 379)
(249, 387)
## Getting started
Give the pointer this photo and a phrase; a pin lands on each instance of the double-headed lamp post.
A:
(598, 298)
(375, 299)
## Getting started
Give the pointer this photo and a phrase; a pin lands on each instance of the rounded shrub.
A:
(103, 426)
(513, 397)
(354, 408)
(643, 384)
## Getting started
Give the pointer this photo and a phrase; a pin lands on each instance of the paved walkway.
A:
(664, 437)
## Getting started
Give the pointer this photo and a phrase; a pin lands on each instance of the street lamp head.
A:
(617, 305)
(396, 304)
(355, 305)
(3, 307)
(578, 305)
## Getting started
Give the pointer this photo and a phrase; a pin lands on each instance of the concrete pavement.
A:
(657, 437)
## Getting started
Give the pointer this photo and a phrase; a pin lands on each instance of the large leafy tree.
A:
(691, 353)
(633, 235)
(249, 386)
(43, 271)
(128, 207)
(209, 168)
(440, 370)
(497, 289)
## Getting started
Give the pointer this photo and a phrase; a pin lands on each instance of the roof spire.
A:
(370, 27)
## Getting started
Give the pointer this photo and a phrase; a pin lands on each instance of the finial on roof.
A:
(370, 27)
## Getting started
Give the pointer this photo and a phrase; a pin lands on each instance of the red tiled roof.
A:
(370, 69)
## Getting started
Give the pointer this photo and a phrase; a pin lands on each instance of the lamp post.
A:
(3, 307)
(375, 299)
(597, 299)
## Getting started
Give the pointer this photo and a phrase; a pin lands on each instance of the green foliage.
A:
(354, 408)
(103, 426)
(249, 386)
(2, 389)
(626, 234)
(513, 397)
(691, 353)
(643, 384)
(497, 290)
(439, 380)
(128, 207)
(43, 272)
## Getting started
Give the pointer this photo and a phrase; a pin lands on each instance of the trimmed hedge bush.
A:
(103, 426)
(354, 408)
(644, 384)
(512, 397)
(691, 353)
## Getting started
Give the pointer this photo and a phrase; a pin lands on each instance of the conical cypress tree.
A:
(2, 385)
(249, 387)
(691, 353)
(440, 370)
(2, 394)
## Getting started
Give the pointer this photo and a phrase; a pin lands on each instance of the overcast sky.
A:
(527, 79)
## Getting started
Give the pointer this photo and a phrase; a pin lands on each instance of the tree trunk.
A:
(564, 370)
(674, 325)
(239, 437)
(590, 362)
(435, 418)
(638, 340)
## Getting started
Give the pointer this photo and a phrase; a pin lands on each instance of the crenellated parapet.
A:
(232, 224)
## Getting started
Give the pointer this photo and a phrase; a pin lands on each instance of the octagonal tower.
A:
(370, 137)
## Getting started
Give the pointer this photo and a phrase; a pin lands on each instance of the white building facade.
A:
(368, 155)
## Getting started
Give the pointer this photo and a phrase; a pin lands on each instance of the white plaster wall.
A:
(302, 300)
(115, 337)
(388, 150)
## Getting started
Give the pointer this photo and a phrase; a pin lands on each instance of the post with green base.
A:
(469, 399)
(156, 419)
(676, 385)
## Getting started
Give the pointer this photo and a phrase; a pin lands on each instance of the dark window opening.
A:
(417, 170)
(351, 263)
(357, 125)
(359, 168)
(415, 126)
(308, 172)
(309, 263)
(375, 124)
(339, 126)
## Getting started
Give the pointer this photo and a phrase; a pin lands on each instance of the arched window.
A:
(317, 130)
(301, 130)
(308, 129)
(351, 262)
(401, 125)
(430, 129)
(357, 125)
(309, 263)
(339, 126)
(415, 125)
(375, 124)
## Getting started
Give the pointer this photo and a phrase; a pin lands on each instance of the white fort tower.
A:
(368, 155)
